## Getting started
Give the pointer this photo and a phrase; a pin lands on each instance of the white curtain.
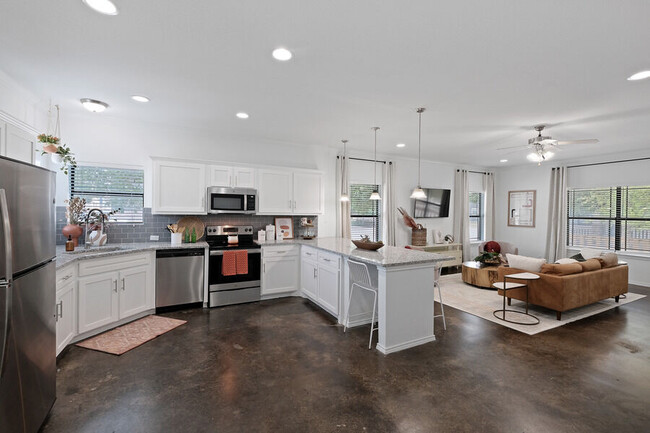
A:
(461, 212)
(557, 222)
(343, 207)
(488, 183)
(389, 208)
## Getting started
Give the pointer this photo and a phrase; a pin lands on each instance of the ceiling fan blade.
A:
(587, 141)
(513, 147)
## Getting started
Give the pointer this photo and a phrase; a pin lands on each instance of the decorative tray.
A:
(192, 222)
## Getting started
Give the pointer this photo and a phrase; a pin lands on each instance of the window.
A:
(616, 218)
(108, 188)
(365, 214)
(475, 216)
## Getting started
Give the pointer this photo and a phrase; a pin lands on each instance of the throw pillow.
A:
(565, 269)
(492, 247)
(590, 253)
(524, 263)
(566, 261)
(609, 260)
(578, 257)
(590, 265)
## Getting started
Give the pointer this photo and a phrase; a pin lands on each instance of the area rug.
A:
(482, 302)
(124, 338)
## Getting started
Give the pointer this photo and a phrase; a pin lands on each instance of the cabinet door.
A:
(280, 275)
(274, 191)
(328, 289)
(133, 290)
(307, 193)
(19, 144)
(178, 188)
(244, 177)
(221, 175)
(98, 301)
(308, 279)
(66, 313)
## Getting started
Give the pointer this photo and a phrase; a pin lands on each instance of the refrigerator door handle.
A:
(6, 283)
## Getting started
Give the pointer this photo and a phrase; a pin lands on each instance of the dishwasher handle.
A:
(179, 252)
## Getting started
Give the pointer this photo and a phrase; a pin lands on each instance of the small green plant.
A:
(46, 138)
(64, 154)
(489, 258)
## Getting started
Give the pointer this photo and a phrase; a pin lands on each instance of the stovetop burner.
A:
(222, 237)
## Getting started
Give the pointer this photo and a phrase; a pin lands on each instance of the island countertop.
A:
(386, 256)
(64, 258)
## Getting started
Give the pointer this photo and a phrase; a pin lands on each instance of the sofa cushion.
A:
(529, 264)
(590, 265)
(578, 257)
(608, 260)
(590, 253)
(565, 261)
(561, 269)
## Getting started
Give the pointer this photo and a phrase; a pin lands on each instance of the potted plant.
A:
(489, 258)
(75, 214)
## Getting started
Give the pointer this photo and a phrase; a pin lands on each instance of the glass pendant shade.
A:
(344, 197)
(418, 193)
(375, 195)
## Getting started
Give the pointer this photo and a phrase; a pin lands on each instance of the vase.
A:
(56, 158)
(50, 147)
(74, 231)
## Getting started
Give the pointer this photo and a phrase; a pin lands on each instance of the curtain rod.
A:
(363, 159)
(611, 162)
(477, 172)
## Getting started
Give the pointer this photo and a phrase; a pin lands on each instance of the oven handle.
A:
(220, 253)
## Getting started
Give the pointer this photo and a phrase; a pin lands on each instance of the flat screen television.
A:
(436, 205)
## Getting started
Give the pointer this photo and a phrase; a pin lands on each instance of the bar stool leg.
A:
(442, 308)
(346, 323)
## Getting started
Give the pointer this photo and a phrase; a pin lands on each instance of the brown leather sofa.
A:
(566, 292)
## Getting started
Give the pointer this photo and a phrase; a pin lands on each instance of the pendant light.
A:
(375, 194)
(418, 193)
(344, 191)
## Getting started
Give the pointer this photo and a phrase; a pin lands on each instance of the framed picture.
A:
(284, 228)
(521, 208)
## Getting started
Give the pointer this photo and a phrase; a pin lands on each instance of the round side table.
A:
(505, 286)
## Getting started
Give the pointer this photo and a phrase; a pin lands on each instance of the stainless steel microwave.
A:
(232, 200)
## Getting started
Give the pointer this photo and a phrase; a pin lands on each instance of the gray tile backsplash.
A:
(156, 225)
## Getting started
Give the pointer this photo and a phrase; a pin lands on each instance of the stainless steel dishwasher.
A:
(179, 276)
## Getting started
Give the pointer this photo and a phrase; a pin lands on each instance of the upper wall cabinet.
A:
(223, 175)
(178, 187)
(17, 143)
(290, 192)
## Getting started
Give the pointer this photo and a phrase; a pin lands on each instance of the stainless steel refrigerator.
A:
(27, 296)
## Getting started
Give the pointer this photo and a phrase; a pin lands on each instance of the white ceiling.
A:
(486, 71)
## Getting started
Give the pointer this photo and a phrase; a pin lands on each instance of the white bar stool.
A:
(436, 283)
(360, 277)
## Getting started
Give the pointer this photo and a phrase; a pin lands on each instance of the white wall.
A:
(532, 241)
(21, 104)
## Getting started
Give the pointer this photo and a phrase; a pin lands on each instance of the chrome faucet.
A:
(87, 242)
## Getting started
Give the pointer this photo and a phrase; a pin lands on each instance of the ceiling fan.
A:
(542, 147)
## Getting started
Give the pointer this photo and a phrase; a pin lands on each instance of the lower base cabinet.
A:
(65, 314)
(328, 288)
(97, 301)
(321, 278)
(280, 266)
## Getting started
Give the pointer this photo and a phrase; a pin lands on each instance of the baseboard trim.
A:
(407, 345)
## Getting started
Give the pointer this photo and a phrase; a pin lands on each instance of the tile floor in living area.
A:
(284, 366)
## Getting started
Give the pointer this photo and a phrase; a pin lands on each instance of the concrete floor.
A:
(284, 366)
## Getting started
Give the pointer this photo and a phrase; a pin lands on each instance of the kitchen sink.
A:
(94, 250)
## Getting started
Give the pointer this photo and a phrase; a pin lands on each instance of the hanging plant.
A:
(60, 153)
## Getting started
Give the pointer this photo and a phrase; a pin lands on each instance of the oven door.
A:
(218, 281)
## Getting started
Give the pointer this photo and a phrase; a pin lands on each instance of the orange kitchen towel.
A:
(242, 262)
(229, 263)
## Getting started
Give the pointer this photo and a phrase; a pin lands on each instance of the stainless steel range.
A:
(228, 284)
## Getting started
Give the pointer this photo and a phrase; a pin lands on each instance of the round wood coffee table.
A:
(480, 275)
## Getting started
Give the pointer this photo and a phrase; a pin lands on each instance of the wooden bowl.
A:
(372, 246)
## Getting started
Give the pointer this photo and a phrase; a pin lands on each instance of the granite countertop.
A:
(64, 258)
(385, 256)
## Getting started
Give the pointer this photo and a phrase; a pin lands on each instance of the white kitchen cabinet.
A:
(133, 290)
(234, 177)
(307, 193)
(98, 300)
(309, 279)
(17, 143)
(329, 288)
(321, 278)
(280, 269)
(275, 191)
(66, 314)
(179, 188)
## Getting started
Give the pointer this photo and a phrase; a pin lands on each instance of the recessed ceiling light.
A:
(282, 54)
(400, 145)
(242, 115)
(639, 76)
(140, 98)
(106, 7)
(93, 105)
(503, 160)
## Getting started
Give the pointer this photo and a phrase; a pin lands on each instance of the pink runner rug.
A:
(126, 337)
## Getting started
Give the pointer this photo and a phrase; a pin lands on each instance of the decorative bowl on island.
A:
(366, 244)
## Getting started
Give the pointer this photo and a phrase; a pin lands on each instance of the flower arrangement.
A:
(488, 258)
(75, 210)
(46, 138)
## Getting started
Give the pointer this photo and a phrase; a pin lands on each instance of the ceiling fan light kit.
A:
(418, 192)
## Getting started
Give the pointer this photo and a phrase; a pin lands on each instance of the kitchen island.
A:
(405, 286)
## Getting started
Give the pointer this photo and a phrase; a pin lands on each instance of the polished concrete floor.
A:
(284, 366)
